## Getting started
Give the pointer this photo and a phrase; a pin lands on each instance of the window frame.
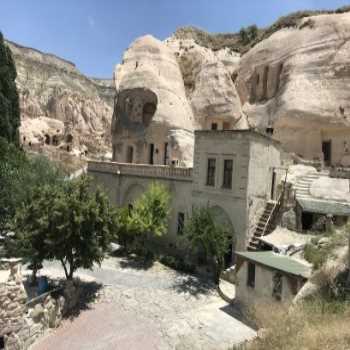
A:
(211, 172)
(180, 223)
(251, 274)
(229, 185)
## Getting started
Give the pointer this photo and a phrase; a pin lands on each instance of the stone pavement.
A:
(148, 309)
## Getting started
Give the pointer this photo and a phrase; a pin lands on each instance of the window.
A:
(214, 126)
(151, 153)
(226, 126)
(251, 275)
(211, 172)
(228, 168)
(277, 286)
(269, 131)
(166, 157)
(327, 152)
(180, 223)
(130, 154)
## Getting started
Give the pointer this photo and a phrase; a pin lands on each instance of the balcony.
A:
(142, 170)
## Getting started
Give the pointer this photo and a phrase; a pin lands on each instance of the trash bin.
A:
(43, 285)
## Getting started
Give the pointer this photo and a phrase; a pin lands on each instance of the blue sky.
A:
(94, 33)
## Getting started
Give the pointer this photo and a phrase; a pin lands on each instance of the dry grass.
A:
(310, 326)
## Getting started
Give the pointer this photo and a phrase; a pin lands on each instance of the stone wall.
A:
(22, 323)
(264, 286)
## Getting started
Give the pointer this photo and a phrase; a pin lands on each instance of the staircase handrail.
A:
(277, 205)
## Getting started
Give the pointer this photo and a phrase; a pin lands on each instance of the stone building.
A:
(269, 276)
(234, 173)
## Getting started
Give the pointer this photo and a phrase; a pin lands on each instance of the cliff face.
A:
(296, 82)
(292, 82)
(61, 109)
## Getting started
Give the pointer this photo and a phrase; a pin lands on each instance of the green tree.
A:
(19, 176)
(248, 34)
(206, 236)
(149, 215)
(9, 101)
(69, 223)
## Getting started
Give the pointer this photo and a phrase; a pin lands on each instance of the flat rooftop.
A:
(278, 262)
(252, 132)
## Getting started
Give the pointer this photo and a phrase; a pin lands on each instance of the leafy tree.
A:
(19, 176)
(69, 223)
(148, 217)
(9, 101)
(206, 236)
(126, 230)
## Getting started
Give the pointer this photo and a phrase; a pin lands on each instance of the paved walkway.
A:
(148, 309)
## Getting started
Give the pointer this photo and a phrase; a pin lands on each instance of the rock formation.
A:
(166, 90)
(151, 104)
(290, 83)
(296, 82)
(61, 109)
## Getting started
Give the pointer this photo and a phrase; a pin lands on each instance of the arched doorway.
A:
(221, 218)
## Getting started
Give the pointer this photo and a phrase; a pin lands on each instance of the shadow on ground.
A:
(194, 286)
(87, 294)
(136, 262)
(241, 314)
(132, 261)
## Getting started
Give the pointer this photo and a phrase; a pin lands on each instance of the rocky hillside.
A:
(63, 112)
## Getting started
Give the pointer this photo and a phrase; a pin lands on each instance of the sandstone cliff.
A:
(296, 82)
(291, 81)
(62, 111)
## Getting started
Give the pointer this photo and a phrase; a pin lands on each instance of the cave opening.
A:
(47, 139)
(148, 111)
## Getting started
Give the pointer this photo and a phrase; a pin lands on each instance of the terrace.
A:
(142, 170)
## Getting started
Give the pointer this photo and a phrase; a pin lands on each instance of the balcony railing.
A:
(143, 170)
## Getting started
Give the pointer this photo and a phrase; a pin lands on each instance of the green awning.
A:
(325, 207)
(278, 262)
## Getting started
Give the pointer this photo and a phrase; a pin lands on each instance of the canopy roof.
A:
(279, 262)
(325, 207)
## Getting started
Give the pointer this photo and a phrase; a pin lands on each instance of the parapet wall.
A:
(143, 170)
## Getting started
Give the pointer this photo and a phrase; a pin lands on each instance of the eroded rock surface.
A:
(292, 84)
(61, 109)
(296, 82)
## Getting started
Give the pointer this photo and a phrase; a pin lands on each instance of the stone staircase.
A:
(302, 187)
(263, 226)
